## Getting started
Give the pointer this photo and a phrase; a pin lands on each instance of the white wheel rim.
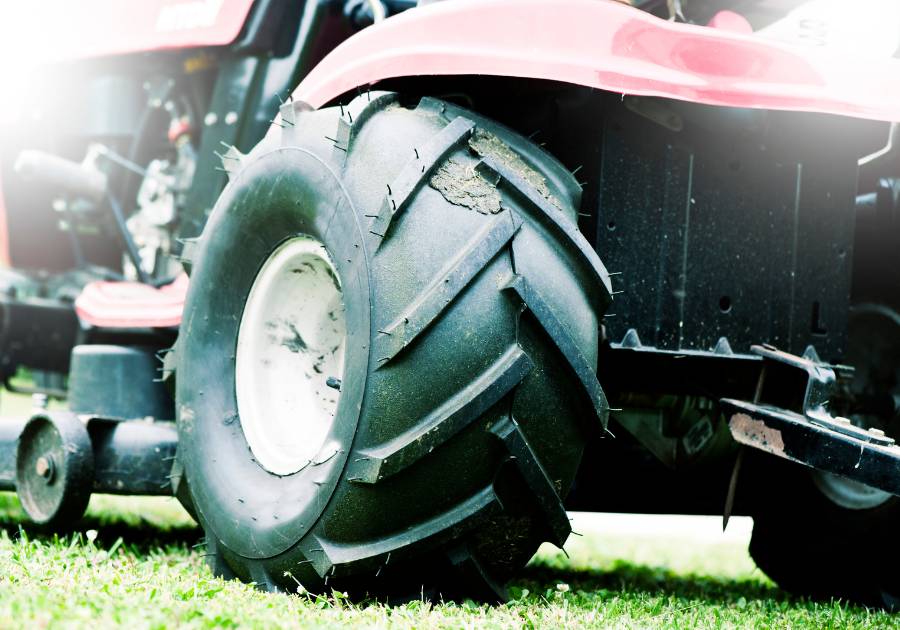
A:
(847, 493)
(290, 357)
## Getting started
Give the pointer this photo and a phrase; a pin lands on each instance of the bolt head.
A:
(44, 467)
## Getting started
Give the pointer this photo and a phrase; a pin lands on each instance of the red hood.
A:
(54, 30)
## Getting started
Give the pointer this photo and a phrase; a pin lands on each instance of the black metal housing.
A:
(133, 457)
(731, 224)
(118, 382)
(37, 333)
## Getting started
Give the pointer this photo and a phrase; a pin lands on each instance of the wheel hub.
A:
(847, 493)
(44, 468)
(290, 356)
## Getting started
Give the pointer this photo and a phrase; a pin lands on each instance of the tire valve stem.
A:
(333, 383)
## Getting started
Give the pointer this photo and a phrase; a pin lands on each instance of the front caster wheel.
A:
(387, 361)
(825, 536)
(809, 545)
(54, 469)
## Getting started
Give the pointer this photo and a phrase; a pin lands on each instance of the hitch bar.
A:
(130, 456)
(788, 418)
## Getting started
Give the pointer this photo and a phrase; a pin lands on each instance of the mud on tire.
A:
(468, 388)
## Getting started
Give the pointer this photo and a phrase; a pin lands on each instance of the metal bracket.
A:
(799, 427)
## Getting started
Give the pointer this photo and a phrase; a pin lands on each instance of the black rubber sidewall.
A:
(812, 546)
(281, 194)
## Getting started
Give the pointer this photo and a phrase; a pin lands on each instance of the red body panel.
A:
(609, 46)
(4, 232)
(97, 28)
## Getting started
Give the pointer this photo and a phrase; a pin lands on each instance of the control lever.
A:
(61, 174)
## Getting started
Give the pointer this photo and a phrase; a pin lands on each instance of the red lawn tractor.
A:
(329, 272)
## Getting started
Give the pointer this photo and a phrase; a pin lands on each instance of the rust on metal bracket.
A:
(752, 432)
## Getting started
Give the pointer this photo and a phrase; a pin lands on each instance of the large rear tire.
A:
(436, 410)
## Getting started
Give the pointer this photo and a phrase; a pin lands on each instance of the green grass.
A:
(135, 563)
(138, 563)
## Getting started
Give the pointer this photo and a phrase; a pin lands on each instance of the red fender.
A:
(609, 46)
